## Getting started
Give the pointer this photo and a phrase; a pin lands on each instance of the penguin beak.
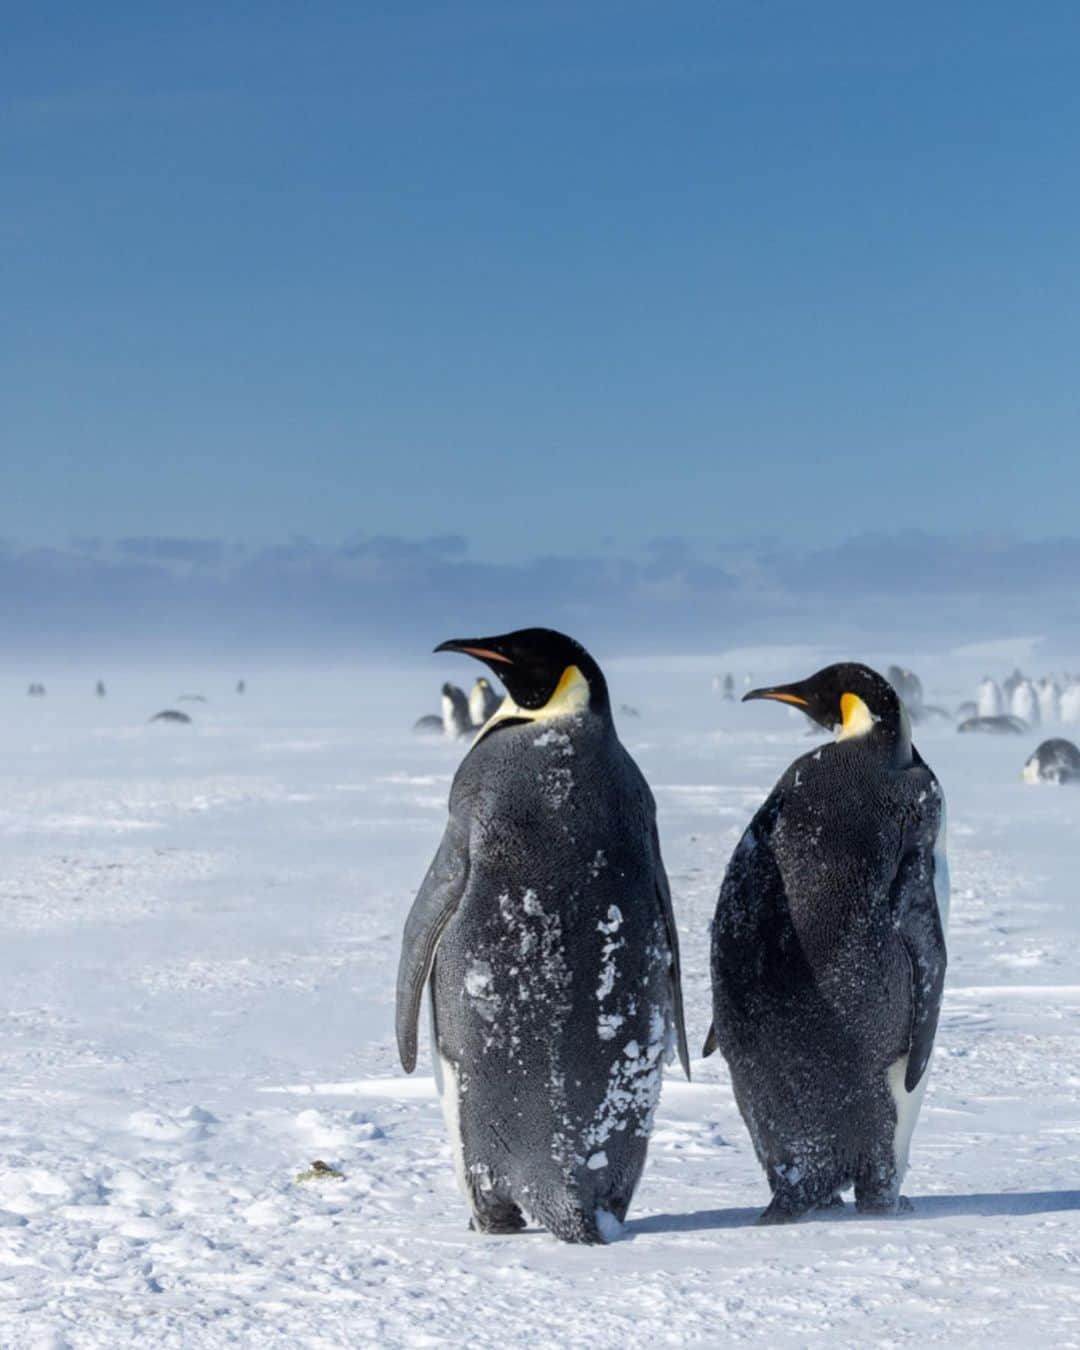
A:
(780, 694)
(482, 648)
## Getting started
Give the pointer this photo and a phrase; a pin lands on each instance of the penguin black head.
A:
(850, 699)
(544, 672)
(455, 695)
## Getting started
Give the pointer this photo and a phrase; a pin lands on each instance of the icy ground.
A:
(200, 934)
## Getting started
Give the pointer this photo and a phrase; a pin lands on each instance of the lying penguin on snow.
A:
(1055, 761)
(1005, 725)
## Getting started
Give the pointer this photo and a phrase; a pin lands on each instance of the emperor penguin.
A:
(1055, 761)
(828, 952)
(988, 699)
(909, 689)
(457, 723)
(1024, 703)
(1048, 692)
(1005, 725)
(1070, 702)
(545, 932)
(483, 700)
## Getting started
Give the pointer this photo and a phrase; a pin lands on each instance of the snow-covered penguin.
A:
(545, 930)
(828, 952)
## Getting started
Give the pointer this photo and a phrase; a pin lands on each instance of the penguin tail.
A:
(710, 1045)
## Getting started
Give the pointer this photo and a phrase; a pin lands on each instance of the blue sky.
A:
(555, 277)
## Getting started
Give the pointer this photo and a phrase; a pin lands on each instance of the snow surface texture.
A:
(201, 929)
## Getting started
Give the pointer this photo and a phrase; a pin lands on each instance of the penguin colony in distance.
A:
(1028, 703)
(828, 952)
(461, 717)
(545, 932)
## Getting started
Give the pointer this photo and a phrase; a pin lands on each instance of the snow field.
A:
(200, 936)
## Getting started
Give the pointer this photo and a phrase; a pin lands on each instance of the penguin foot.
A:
(885, 1205)
(782, 1209)
(502, 1221)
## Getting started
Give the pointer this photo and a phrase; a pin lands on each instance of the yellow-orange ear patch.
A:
(856, 717)
(571, 695)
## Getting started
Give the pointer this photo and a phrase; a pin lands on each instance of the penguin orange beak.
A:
(474, 647)
(779, 695)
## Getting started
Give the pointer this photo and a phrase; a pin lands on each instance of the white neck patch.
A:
(571, 696)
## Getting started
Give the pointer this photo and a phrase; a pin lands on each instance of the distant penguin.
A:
(1009, 685)
(545, 929)
(989, 699)
(1070, 703)
(99, 689)
(1005, 725)
(729, 688)
(483, 701)
(909, 688)
(1048, 693)
(828, 952)
(1025, 703)
(241, 686)
(457, 723)
(170, 715)
(1055, 761)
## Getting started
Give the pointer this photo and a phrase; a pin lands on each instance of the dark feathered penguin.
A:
(457, 723)
(544, 928)
(828, 951)
(1055, 761)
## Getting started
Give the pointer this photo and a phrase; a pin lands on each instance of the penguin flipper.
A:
(918, 921)
(663, 894)
(711, 1043)
(434, 907)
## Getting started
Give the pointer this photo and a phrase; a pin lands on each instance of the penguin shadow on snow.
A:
(979, 1205)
